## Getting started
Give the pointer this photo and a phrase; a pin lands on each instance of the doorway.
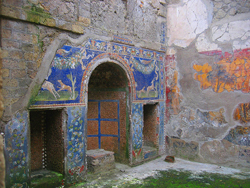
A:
(46, 144)
(107, 126)
(150, 130)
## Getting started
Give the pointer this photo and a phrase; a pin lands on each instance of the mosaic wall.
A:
(16, 149)
(137, 129)
(66, 82)
(161, 127)
(76, 163)
(230, 73)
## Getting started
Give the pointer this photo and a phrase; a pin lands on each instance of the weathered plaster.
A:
(185, 21)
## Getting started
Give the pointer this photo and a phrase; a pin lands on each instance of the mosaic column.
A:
(16, 149)
(75, 156)
(137, 128)
(161, 129)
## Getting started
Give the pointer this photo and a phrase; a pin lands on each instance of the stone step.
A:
(99, 160)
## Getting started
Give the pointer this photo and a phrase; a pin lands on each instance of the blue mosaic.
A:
(76, 165)
(63, 85)
(16, 149)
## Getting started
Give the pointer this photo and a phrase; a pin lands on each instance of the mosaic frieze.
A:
(16, 148)
(76, 144)
(137, 129)
(230, 73)
(242, 113)
(66, 81)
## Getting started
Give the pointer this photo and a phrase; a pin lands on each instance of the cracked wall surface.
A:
(208, 81)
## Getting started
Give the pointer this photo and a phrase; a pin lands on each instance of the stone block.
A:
(6, 33)
(16, 73)
(32, 29)
(5, 73)
(10, 83)
(14, 54)
(99, 160)
(183, 149)
(9, 44)
(219, 152)
(24, 37)
(4, 53)
(86, 21)
(77, 28)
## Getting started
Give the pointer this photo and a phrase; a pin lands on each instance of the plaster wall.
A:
(207, 78)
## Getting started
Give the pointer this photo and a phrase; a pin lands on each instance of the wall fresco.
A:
(76, 164)
(196, 123)
(242, 113)
(66, 81)
(16, 149)
(239, 135)
(230, 73)
(137, 129)
(174, 96)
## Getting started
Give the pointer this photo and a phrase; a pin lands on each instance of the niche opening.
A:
(46, 143)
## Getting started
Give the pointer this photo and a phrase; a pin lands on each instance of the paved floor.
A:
(123, 173)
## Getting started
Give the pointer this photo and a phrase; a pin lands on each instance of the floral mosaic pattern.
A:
(17, 171)
(230, 74)
(137, 129)
(76, 144)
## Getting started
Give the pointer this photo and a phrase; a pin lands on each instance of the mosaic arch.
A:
(104, 58)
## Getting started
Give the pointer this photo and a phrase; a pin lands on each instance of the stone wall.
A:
(207, 78)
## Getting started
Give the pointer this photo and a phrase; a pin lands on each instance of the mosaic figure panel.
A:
(16, 148)
(66, 81)
(230, 73)
(76, 145)
(137, 130)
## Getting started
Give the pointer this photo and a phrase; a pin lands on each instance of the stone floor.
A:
(123, 174)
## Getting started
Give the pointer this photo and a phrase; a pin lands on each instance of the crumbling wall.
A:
(207, 81)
